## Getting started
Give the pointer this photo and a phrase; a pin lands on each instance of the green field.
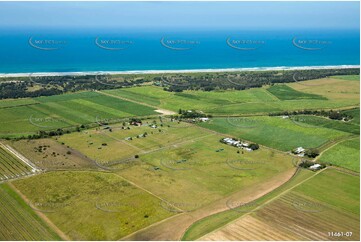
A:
(348, 77)
(66, 110)
(17, 102)
(114, 178)
(284, 92)
(315, 94)
(317, 121)
(92, 205)
(345, 154)
(275, 132)
(18, 221)
(49, 113)
(200, 100)
(330, 200)
(355, 113)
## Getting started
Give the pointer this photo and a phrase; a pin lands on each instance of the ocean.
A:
(91, 50)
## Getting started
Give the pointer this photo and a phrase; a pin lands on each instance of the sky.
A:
(181, 15)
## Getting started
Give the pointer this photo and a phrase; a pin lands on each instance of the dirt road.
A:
(173, 228)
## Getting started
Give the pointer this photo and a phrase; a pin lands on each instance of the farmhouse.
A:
(300, 151)
(237, 143)
(204, 119)
(315, 167)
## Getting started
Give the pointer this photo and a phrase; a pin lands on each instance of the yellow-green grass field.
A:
(345, 154)
(18, 221)
(276, 132)
(92, 205)
(104, 146)
(326, 202)
(337, 89)
(199, 172)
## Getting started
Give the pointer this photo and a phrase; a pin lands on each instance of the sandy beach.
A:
(176, 71)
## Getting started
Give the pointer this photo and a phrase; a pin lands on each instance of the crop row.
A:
(10, 167)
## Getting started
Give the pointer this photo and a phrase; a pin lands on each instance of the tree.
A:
(254, 146)
(312, 153)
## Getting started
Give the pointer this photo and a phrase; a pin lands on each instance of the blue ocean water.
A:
(43, 50)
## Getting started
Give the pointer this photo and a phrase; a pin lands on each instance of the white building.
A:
(299, 150)
(315, 167)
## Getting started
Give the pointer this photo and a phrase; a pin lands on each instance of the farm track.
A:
(332, 143)
(220, 115)
(41, 215)
(13, 165)
(19, 223)
(173, 228)
(144, 152)
(22, 105)
(345, 170)
(20, 156)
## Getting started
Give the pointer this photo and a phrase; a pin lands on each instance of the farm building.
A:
(204, 119)
(315, 167)
(236, 143)
(300, 151)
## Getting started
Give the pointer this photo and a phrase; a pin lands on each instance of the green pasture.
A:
(275, 132)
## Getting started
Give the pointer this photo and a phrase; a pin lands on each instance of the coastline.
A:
(279, 68)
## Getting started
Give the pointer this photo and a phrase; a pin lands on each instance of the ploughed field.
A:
(18, 221)
(12, 167)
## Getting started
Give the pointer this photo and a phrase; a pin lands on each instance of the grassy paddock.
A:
(275, 132)
(58, 111)
(284, 92)
(345, 154)
(92, 205)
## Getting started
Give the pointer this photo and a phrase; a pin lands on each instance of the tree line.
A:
(243, 80)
